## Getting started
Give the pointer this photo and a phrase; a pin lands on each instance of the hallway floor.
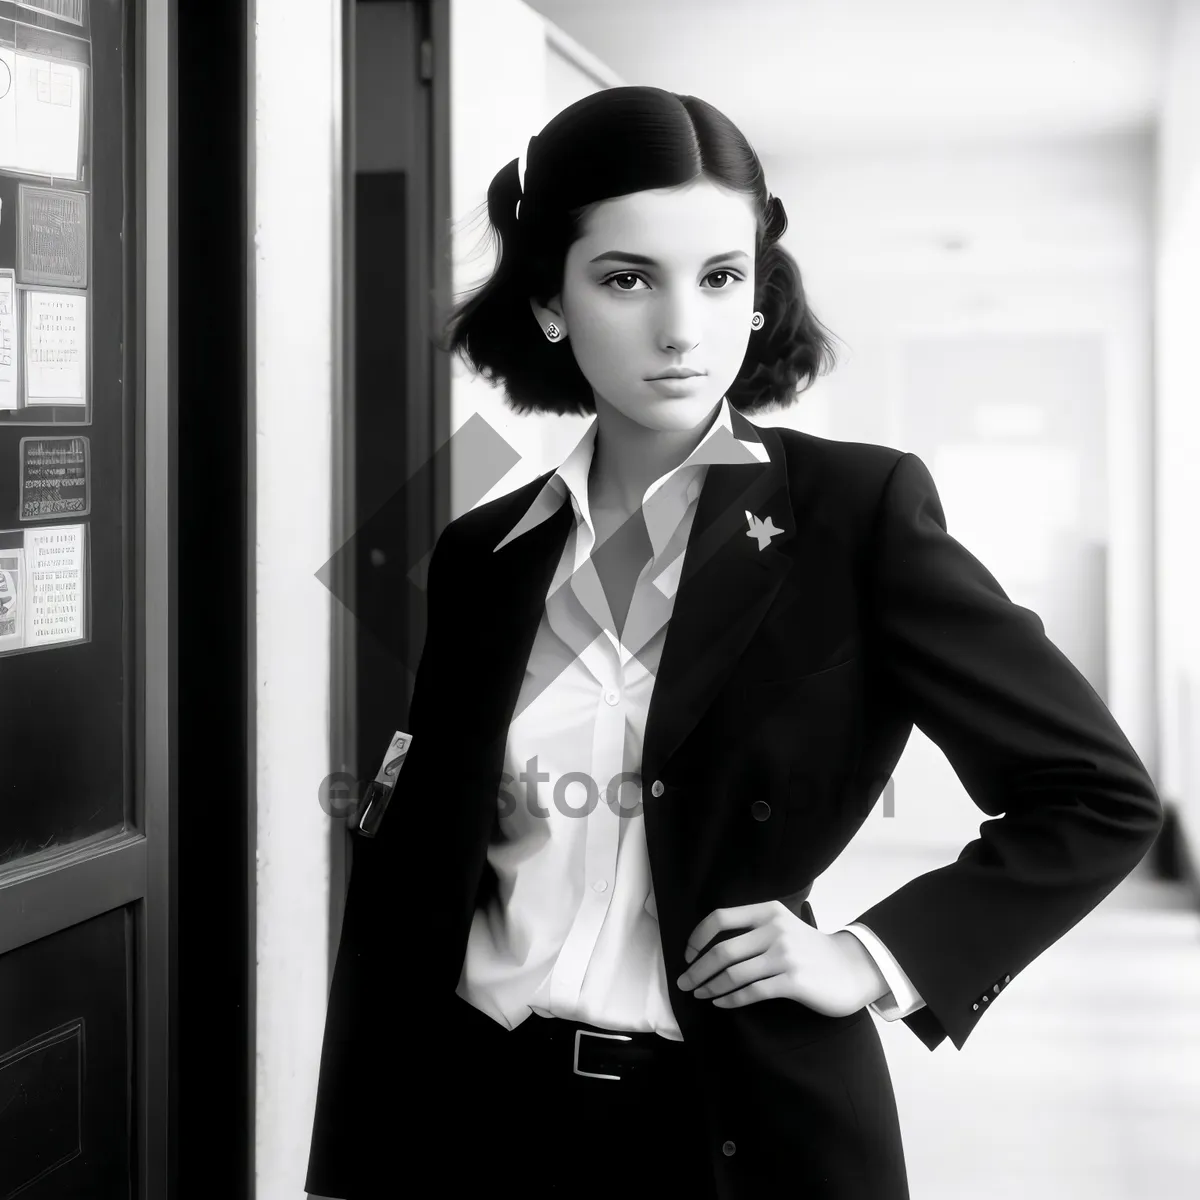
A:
(1084, 1084)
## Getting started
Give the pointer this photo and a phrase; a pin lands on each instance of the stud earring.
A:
(553, 331)
(757, 321)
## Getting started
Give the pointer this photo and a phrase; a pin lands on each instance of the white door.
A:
(1012, 427)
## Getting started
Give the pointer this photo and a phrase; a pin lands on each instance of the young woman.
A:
(662, 688)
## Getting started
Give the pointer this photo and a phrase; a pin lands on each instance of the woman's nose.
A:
(679, 329)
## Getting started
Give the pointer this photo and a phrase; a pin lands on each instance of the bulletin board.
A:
(45, 345)
(68, 427)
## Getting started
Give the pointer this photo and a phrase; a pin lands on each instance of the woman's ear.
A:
(549, 314)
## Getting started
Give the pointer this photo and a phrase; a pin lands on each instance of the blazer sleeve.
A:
(1072, 808)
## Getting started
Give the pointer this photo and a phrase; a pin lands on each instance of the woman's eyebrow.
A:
(643, 261)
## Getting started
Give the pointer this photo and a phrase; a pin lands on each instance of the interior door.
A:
(1012, 427)
(395, 414)
(88, 605)
(84, 613)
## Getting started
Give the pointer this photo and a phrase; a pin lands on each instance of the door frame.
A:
(427, 424)
(157, 790)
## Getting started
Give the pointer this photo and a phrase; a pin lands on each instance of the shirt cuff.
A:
(902, 1000)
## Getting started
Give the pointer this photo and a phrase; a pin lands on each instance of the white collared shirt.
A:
(572, 929)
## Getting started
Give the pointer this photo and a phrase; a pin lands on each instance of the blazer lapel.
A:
(726, 587)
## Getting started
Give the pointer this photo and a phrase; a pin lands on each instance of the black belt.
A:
(605, 1055)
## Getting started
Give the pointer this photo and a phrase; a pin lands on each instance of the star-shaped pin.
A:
(763, 530)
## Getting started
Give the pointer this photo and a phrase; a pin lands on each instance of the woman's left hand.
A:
(780, 955)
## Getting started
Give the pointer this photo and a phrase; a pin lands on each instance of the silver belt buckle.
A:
(620, 1037)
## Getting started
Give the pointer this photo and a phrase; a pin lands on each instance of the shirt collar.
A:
(666, 499)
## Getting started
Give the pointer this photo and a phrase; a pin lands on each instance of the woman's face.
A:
(659, 280)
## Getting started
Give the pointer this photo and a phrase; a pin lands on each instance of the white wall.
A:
(1026, 241)
(511, 72)
(298, 56)
(1178, 419)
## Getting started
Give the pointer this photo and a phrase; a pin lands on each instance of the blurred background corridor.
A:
(257, 212)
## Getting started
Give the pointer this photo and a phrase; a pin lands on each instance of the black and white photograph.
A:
(599, 599)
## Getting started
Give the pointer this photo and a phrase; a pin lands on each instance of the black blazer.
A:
(790, 675)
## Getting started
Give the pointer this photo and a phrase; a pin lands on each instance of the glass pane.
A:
(66, 424)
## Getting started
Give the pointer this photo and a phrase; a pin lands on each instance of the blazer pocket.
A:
(785, 681)
(825, 1028)
(788, 1027)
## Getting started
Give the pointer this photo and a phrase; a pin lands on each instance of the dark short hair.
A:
(612, 143)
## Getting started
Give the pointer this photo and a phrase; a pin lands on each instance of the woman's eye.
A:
(622, 275)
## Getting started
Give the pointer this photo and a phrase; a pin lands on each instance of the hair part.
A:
(612, 143)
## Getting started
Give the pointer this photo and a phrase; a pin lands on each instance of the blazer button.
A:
(760, 810)
(656, 788)
(727, 1148)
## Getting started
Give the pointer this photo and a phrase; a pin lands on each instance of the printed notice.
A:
(54, 563)
(41, 114)
(54, 477)
(12, 608)
(9, 398)
(55, 348)
(52, 243)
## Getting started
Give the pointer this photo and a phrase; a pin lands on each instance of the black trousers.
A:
(542, 1129)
